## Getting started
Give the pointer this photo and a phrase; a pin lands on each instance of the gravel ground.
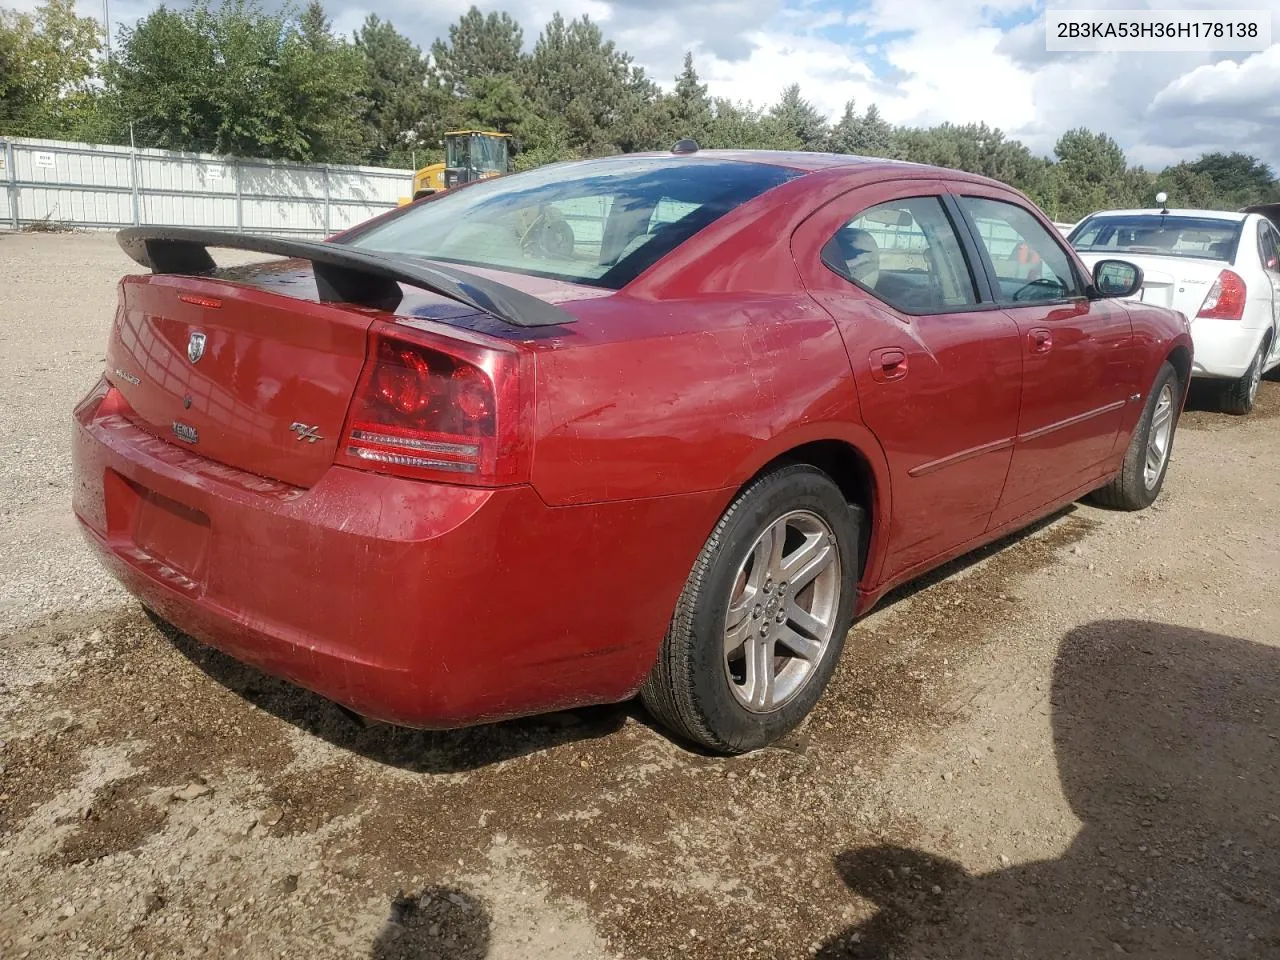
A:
(1065, 746)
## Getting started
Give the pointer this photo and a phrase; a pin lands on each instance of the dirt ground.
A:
(1066, 746)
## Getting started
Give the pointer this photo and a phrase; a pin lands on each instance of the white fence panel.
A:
(97, 186)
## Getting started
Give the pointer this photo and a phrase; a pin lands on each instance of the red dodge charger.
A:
(656, 423)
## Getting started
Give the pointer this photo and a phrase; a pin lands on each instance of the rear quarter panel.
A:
(653, 399)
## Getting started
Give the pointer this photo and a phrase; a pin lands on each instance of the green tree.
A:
(742, 126)
(1089, 174)
(48, 61)
(1238, 179)
(690, 108)
(478, 47)
(876, 139)
(1186, 186)
(398, 105)
(599, 101)
(869, 135)
(797, 121)
(236, 80)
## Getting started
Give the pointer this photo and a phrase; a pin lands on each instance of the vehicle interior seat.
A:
(1220, 250)
(861, 255)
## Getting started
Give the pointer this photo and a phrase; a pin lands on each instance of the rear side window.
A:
(906, 253)
(1029, 265)
(600, 222)
(1207, 238)
(1269, 248)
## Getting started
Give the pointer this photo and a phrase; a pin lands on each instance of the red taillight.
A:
(432, 406)
(1226, 298)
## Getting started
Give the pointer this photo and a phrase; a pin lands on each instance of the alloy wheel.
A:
(1159, 437)
(782, 611)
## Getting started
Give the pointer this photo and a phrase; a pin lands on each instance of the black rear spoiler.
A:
(343, 274)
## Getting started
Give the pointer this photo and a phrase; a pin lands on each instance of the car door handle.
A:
(1040, 340)
(888, 363)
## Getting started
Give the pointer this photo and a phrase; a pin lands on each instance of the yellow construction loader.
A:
(468, 155)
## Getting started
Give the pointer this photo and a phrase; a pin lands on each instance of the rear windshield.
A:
(600, 223)
(1204, 237)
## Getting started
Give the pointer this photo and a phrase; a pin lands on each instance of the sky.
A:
(921, 62)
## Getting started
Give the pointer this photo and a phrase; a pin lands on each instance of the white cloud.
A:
(920, 61)
(1253, 83)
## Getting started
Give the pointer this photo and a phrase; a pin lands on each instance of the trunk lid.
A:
(255, 366)
(1179, 283)
(242, 375)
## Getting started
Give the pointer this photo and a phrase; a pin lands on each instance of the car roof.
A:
(798, 159)
(1156, 212)
(812, 162)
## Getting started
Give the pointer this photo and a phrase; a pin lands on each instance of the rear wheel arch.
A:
(861, 476)
(1180, 359)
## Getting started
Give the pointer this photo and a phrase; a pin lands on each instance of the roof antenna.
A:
(1162, 199)
(687, 145)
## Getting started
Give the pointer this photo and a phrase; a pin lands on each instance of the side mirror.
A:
(1116, 278)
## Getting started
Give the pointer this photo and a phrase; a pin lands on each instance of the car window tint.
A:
(906, 253)
(1029, 264)
(599, 222)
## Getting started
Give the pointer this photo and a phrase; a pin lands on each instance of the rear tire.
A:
(1141, 478)
(1238, 396)
(732, 698)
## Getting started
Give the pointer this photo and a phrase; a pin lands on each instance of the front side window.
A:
(1029, 265)
(598, 222)
(906, 253)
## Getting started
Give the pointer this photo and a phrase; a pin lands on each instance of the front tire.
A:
(1238, 396)
(761, 621)
(1147, 460)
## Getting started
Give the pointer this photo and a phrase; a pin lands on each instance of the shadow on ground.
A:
(440, 923)
(971, 559)
(419, 751)
(1167, 749)
(1204, 405)
(451, 751)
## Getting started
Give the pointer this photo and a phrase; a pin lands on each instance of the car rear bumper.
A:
(423, 604)
(1223, 348)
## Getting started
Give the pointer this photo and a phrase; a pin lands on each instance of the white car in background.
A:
(1221, 270)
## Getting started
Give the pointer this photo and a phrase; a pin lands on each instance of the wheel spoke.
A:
(806, 622)
(803, 647)
(760, 673)
(737, 627)
(776, 542)
(769, 544)
(806, 562)
(1163, 415)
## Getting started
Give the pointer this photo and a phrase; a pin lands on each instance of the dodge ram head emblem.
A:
(305, 432)
(195, 346)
